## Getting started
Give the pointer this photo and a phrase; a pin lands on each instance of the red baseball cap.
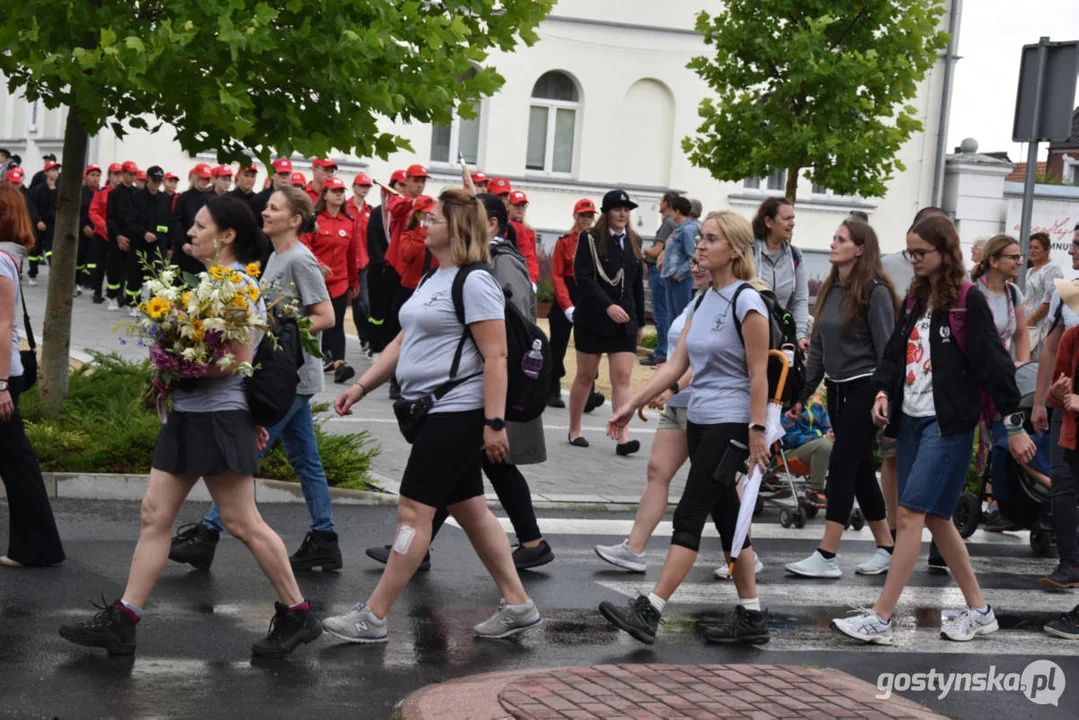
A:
(298, 179)
(203, 171)
(323, 163)
(282, 165)
(222, 171)
(333, 183)
(423, 203)
(15, 174)
(249, 169)
(398, 176)
(51, 164)
(499, 186)
(517, 197)
(584, 205)
(130, 166)
(89, 169)
(416, 171)
(115, 167)
(140, 175)
(170, 176)
(362, 179)
(479, 178)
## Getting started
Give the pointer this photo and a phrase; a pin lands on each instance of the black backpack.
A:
(526, 397)
(782, 333)
(271, 390)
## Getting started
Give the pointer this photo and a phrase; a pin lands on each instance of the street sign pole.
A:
(1032, 163)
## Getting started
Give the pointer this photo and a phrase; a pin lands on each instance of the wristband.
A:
(1014, 430)
(362, 389)
(880, 395)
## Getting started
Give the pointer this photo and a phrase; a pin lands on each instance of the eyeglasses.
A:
(1015, 257)
(429, 220)
(917, 255)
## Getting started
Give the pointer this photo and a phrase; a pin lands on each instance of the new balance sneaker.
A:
(877, 564)
(1066, 626)
(382, 555)
(358, 625)
(509, 621)
(288, 629)
(970, 623)
(525, 557)
(112, 629)
(1064, 577)
(622, 555)
(741, 626)
(723, 571)
(865, 626)
(816, 566)
(319, 550)
(195, 545)
(639, 618)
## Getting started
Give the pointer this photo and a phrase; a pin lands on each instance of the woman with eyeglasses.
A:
(445, 466)
(995, 275)
(930, 388)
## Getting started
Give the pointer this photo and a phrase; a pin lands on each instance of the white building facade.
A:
(602, 101)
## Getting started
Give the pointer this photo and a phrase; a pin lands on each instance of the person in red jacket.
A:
(358, 208)
(338, 250)
(99, 247)
(479, 181)
(321, 170)
(526, 236)
(409, 255)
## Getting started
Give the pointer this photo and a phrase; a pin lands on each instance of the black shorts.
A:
(204, 444)
(446, 463)
(592, 342)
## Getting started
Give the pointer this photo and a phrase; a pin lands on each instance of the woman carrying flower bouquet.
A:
(209, 433)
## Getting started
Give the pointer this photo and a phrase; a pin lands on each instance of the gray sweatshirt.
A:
(790, 285)
(844, 351)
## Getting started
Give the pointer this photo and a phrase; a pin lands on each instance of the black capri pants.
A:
(852, 471)
(445, 466)
(704, 495)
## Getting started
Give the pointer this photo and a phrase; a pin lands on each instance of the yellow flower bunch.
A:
(219, 272)
(253, 269)
(157, 307)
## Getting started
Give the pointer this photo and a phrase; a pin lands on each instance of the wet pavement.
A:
(194, 659)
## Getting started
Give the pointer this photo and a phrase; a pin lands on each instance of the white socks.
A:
(133, 608)
(750, 603)
(657, 602)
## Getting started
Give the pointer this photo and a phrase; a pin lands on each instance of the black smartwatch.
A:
(1013, 423)
(495, 424)
(757, 427)
(674, 388)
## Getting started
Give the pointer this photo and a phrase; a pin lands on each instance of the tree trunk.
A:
(792, 182)
(56, 338)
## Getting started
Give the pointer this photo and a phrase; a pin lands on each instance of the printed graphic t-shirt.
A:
(918, 379)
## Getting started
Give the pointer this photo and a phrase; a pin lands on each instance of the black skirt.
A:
(593, 342)
(204, 444)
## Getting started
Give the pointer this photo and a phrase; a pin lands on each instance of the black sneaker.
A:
(639, 618)
(395, 389)
(741, 626)
(382, 554)
(595, 399)
(195, 545)
(1066, 626)
(319, 549)
(98, 300)
(112, 629)
(524, 558)
(652, 360)
(936, 561)
(554, 399)
(343, 374)
(288, 628)
(1064, 577)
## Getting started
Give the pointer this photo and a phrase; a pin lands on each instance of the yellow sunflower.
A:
(158, 307)
(219, 272)
(236, 277)
(253, 269)
(253, 293)
(239, 300)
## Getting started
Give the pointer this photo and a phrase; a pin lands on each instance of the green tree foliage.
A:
(822, 85)
(244, 78)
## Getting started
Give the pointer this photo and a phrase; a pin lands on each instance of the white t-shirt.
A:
(720, 385)
(11, 272)
(1003, 309)
(432, 333)
(1068, 317)
(918, 378)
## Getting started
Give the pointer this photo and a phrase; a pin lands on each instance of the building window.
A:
(460, 139)
(777, 180)
(35, 111)
(819, 189)
(552, 124)
(752, 183)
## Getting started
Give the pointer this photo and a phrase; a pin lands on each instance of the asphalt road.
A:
(194, 659)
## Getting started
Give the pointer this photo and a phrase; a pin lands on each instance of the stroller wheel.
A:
(1041, 541)
(857, 520)
(968, 514)
(758, 507)
(786, 517)
(800, 518)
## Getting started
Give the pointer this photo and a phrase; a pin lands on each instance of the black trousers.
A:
(512, 490)
(382, 283)
(95, 264)
(83, 267)
(361, 309)
(32, 537)
(134, 272)
(561, 329)
(115, 268)
(851, 471)
(704, 494)
(1063, 495)
(333, 340)
(42, 250)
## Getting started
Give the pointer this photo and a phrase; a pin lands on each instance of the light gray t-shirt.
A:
(1003, 310)
(717, 356)
(681, 400)
(219, 393)
(1068, 317)
(899, 271)
(9, 270)
(431, 335)
(296, 273)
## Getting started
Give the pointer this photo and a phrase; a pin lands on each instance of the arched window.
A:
(552, 124)
(459, 139)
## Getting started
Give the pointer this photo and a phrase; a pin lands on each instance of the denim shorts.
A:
(931, 469)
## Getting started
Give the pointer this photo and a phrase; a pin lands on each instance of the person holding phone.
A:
(725, 343)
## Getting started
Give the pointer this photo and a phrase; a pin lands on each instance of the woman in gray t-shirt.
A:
(995, 275)
(725, 342)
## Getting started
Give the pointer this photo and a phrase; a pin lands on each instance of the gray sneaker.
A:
(817, 566)
(508, 622)
(622, 555)
(358, 625)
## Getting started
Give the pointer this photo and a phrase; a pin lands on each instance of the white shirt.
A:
(918, 379)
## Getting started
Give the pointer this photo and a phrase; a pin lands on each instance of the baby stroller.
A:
(1021, 499)
(789, 478)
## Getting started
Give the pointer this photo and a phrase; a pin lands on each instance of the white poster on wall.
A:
(1057, 218)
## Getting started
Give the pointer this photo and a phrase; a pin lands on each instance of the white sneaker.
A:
(816, 566)
(112, 305)
(507, 621)
(78, 290)
(723, 571)
(358, 625)
(865, 626)
(968, 624)
(32, 282)
(622, 555)
(878, 564)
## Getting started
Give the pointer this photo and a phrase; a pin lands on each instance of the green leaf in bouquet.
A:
(191, 280)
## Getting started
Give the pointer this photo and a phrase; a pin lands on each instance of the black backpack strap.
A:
(457, 293)
(698, 301)
(734, 310)
(427, 273)
(1058, 316)
(427, 256)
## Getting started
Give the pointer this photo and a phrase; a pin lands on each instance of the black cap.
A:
(616, 199)
(49, 156)
(155, 173)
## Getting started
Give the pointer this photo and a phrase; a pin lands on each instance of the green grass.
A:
(108, 425)
(649, 341)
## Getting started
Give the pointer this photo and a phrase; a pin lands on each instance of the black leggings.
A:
(704, 495)
(512, 490)
(852, 471)
(561, 329)
(1063, 494)
(333, 339)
